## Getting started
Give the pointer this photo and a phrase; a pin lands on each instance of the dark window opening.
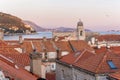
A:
(81, 32)
(63, 74)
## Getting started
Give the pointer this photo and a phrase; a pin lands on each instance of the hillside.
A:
(34, 25)
(12, 24)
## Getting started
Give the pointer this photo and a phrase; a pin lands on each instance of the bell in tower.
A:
(80, 31)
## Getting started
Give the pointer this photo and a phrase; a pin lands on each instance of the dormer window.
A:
(111, 64)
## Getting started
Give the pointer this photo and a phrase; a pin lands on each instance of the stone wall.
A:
(79, 75)
(64, 72)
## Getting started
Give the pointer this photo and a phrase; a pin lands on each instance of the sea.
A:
(47, 35)
(109, 32)
(35, 35)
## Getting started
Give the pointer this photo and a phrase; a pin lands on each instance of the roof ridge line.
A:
(79, 56)
(105, 55)
(6, 58)
(91, 51)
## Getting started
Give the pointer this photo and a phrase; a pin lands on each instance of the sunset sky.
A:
(97, 15)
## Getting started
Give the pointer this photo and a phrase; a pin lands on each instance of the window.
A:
(111, 64)
(81, 33)
(63, 75)
(53, 66)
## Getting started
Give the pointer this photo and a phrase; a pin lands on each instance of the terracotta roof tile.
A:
(49, 46)
(96, 63)
(115, 49)
(16, 73)
(7, 49)
(80, 45)
(20, 60)
(74, 58)
(115, 75)
(111, 37)
(63, 46)
(27, 46)
(38, 46)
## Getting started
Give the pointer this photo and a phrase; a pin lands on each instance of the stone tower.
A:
(35, 63)
(80, 31)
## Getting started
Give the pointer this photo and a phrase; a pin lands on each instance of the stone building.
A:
(105, 40)
(79, 34)
(87, 65)
(49, 49)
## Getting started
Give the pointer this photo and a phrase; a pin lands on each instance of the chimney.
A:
(58, 54)
(72, 47)
(20, 39)
(35, 63)
(44, 39)
(1, 34)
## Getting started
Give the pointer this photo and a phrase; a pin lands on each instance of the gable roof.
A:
(73, 58)
(13, 71)
(63, 46)
(7, 49)
(80, 45)
(20, 60)
(96, 63)
(49, 46)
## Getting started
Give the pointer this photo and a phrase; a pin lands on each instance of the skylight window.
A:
(111, 64)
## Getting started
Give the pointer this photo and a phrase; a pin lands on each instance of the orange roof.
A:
(9, 52)
(7, 49)
(111, 37)
(96, 63)
(115, 75)
(115, 49)
(20, 60)
(80, 45)
(72, 58)
(10, 69)
(63, 46)
(49, 45)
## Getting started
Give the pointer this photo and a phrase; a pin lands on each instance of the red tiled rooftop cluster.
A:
(115, 75)
(12, 62)
(93, 62)
(111, 37)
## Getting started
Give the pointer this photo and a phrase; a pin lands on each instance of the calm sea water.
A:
(44, 34)
(114, 32)
(36, 35)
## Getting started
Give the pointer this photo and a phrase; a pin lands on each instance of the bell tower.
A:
(80, 31)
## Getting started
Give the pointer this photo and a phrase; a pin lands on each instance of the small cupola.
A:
(80, 23)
